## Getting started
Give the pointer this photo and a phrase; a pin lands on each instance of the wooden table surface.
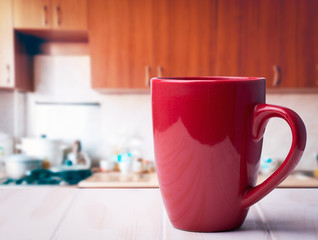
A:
(72, 213)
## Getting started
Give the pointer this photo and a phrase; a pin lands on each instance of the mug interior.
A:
(209, 78)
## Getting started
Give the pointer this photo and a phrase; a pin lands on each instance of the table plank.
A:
(291, 214)
(70, 213)
(32, 213)
(113, 214)
(253, 228)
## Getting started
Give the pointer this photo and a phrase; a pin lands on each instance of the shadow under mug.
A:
(208, 139)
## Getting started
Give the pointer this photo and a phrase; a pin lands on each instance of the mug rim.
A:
(208, 79)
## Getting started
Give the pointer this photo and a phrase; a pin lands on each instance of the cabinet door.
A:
(288, 43)
(269, 42)
(249, 38)
(184, 37)
(306, 40)
(69, 14)
(239, 39)
(120, 43)
(6, 45)
(228, 38)
(298, 38)
(274, 39)
(32, 14)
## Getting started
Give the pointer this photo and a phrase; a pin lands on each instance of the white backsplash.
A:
(277, 139)
(67, 79)
(59, 108)
(6, 112)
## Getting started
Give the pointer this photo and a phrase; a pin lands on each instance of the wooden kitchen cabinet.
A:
(273, 39)
(120, 43)
(138, 40)
(132, 41)
(15, 65)
(248, 39)
(306, 43)
(228, 55)
(32, 14)
(288, 44)
(184, 38)
(6, 45)
(26, 25)
(289, 31)
(251, 38)
(50, 14)
(269, 42)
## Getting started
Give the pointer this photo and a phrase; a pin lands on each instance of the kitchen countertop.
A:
(72, 213)
(118, 180)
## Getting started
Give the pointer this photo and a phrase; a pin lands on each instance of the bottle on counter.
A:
(77, 157)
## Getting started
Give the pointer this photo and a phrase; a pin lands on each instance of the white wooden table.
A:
(71, 213)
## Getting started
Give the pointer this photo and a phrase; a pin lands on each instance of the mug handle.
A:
(261, 116)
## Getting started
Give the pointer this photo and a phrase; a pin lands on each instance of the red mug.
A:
(208, 140)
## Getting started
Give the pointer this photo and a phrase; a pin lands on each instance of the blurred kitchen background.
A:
(79, 70)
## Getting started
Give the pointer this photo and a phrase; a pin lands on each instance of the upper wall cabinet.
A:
(120, 43)
(273, 39)
(50, 14)
(132, 41)
(26, 26)
(287, 37)
(184, 37)
(6, 45)
(15, 61)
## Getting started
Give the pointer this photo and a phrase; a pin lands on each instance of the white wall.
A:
(67, 79)
(119, 118)
(6, 112)
(60, 81)
(277, 139)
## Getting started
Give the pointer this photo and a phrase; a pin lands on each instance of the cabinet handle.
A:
(45, 15)
(58, 15)
(147, 76)
(159, 70)
(277, 76)
(8, 72)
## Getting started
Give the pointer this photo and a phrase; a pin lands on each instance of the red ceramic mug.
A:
(208, 139)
